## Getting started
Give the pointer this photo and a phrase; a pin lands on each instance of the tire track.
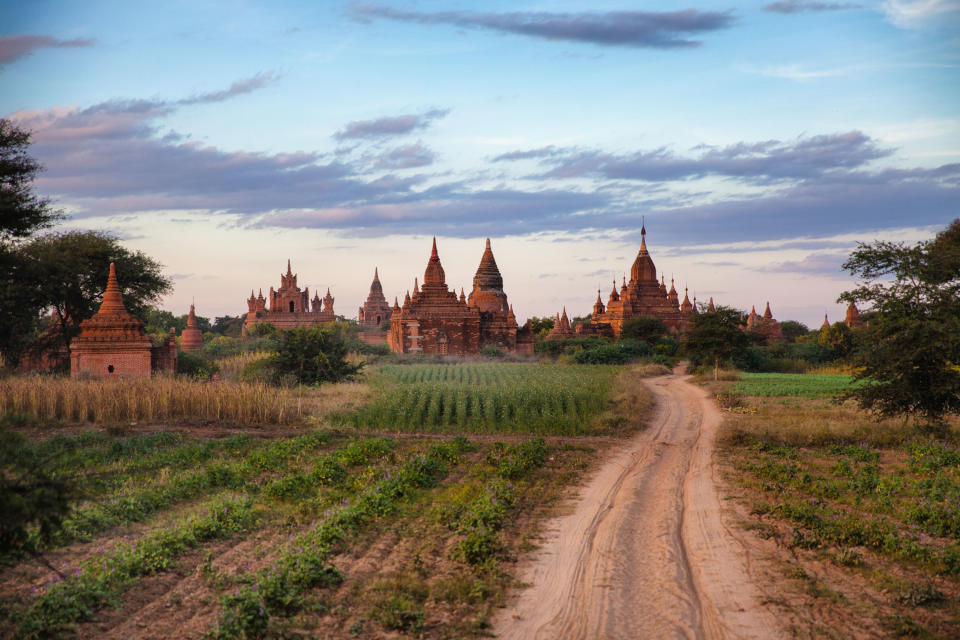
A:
(645, 553)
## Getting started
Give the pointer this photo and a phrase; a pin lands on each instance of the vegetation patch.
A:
(793, 384)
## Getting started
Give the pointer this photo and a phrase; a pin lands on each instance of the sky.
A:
(757, 142)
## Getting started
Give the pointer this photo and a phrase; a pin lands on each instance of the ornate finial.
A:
(376, 274)
(289, 272)
(433, 252)
(488, 243)
(643, 225)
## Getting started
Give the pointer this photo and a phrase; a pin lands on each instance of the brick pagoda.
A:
(113, 343)
(290, 308)
(376, 310)
(766, 324)
(191, 339)
(436, 320)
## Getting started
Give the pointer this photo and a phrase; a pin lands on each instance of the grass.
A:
(872, 498)
(488, 398)
(167, 399)
(792, 384)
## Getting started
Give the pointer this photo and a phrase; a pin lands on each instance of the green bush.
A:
(619, 353)
(195, 366)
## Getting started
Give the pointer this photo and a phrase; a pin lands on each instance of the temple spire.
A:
(112, 297)
(289, 271)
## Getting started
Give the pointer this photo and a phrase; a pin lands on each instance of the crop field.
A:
(864, 515)
(173, 536)
(489, 398)
(792, 384)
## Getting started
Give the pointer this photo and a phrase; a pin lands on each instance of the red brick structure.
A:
(290, 308)
(826, 322)
(561, 326)
(642, 296)
(191, 339)
(766, 324)
(853, 316)
(436, 320)
(113, 343)
(376, 310)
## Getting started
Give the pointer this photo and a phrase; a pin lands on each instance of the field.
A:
(792, 385)
(489, 398)
(347, 529)
(864, 517)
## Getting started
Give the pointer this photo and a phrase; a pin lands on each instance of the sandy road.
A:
(645, 554)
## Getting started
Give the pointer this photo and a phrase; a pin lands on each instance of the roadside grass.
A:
(879, 501)
(805, 385)
(545, 399)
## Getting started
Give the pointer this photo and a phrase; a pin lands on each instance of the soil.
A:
(647, 551)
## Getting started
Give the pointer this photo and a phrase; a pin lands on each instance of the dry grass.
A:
(231, 367)
(650, 370)
(165, 399)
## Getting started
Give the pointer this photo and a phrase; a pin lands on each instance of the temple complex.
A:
(376, 310)
(114, 344)
(290, 308)
(642, 296)
(191, 339)
(435, 320)
(765, 324)
(561, 326)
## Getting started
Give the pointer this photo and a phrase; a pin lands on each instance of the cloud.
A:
(649, 29)
(13, 48)
(240, 87)
(909, 14)
(807, 6)
(822, 263)
(757, 161)
(389, 126)
(542, 152)
(406, 157)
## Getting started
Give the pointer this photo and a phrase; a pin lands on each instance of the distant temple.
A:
(561, 326)
(436, 320)
(766, 324)
(376, 311)
(114, 344)
(642, 296)
(290, 308)
(191, 339)
(853, 316)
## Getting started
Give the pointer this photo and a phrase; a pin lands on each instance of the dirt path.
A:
(645, 554)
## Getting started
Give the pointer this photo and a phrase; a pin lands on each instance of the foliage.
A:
(647, 329)
(791, 330)
(911, 359)
(22, 212)
(33, 501)
(555, 348)
(838, 338)
(483, 398)
(313, 356)
(616, 353)
(197, 367)
(541, 326)
(715, 337)
(69, 271)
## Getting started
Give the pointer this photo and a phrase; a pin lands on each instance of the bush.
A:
(619, 353)
(309, 356)
(195, 366)
(491, 351)
(647, 329)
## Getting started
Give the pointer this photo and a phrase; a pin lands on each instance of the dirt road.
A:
(645, 554)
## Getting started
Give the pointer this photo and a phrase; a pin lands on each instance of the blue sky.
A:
(760, 141)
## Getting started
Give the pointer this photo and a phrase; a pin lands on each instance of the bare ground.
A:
(646, 552)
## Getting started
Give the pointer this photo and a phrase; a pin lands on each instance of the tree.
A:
(646, 328)
(69, 272)
(715, 337)
(838, 338)
(313, 356)
(911, 352)
(541, 326)
(791, 330)
(22, 214)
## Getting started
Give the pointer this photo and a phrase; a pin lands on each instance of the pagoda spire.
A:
(112, 296)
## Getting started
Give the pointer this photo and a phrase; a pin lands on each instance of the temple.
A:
(435, 320)
(191, 339)
(853, 316)
(376, 311)
(766, 324)
(642, 296)
(113, 343)
(290, 308)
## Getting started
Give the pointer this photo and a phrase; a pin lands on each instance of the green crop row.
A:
(792, 384)
(305, 562)
(550, 399)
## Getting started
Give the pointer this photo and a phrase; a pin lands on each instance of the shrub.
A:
(196, 367)
(491, 351)
(619, 353)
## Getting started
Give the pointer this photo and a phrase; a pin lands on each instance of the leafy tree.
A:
(646, 328)
(910, 361)
(541, 326)
(69, 272)
(715, 337)
(22, 214)
(229, 326)
(838, 338)
(313, 356)
(792, 330)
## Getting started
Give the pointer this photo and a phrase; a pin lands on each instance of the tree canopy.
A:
(715, 337)
(910, 360)
(22, 212)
